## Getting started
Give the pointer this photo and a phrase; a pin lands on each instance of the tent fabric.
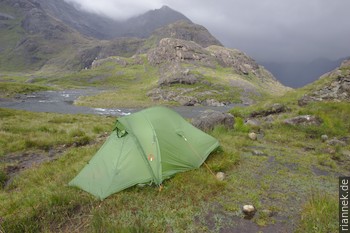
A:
(145, 147)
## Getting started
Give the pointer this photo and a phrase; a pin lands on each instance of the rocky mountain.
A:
(53, 35)
(212, 75)
(184, 30)
(30, 38)
(193, 67)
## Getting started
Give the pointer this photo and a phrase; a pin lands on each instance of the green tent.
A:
(148, 146)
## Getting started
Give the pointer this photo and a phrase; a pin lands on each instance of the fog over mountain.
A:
(269, 30)
(286, 36)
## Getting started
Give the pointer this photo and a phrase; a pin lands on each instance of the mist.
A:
(269, 30)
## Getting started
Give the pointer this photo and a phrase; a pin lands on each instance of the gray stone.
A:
(336, 142)
(303, 120)
(253, 136)
(220, 176)
(324, 138)
(258, 153)
(274, 109)
(209, 119)
(249, 210)
(253, 122)
(212, 102)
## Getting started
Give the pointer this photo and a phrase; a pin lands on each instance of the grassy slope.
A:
(296, 181)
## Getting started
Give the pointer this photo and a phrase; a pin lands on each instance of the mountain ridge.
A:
(33, 36)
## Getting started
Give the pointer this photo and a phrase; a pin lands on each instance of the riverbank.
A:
(63, 101)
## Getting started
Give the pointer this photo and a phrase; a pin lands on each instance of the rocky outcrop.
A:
(338, 89)
(185, 97)
(180, 96)
(185, 30)
(4, 16)
(171, 53)
(176, 74)
(172, 50)
(209, 119)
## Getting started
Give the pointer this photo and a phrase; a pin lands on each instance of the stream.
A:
(63, 102)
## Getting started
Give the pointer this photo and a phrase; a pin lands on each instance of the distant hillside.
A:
(298, 74)
(38, 34)
(332, 86)
(29, 37)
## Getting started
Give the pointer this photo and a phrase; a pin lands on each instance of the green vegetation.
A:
(289, 173)
(23, 131)
(11, 89)
(318, 211)
(294, 178)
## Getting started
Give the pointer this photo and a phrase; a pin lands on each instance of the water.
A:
(63, 102)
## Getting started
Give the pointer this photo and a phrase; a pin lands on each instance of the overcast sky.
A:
(267, 30)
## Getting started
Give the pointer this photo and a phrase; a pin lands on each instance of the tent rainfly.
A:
(148, 146)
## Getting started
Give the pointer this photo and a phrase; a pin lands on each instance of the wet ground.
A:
(63, 102)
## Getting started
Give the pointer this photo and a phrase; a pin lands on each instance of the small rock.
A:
(253, 122)
(258, 153)
(249, 210)
(330, 151)
(268, 213)
(324, 138)
(335, 142)
(220, 176)
(252, 136)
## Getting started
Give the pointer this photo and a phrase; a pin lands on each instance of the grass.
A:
(10, 89)
(293, 182)
(320, 214)
(21, 131)
(39, 199)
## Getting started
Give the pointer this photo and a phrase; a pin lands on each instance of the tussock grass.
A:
(20, 130)
(320, 213)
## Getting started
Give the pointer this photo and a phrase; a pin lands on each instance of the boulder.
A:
(303, 120)
(209, 119)
(274, 109)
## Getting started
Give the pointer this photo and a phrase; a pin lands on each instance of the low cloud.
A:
(268, 30)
